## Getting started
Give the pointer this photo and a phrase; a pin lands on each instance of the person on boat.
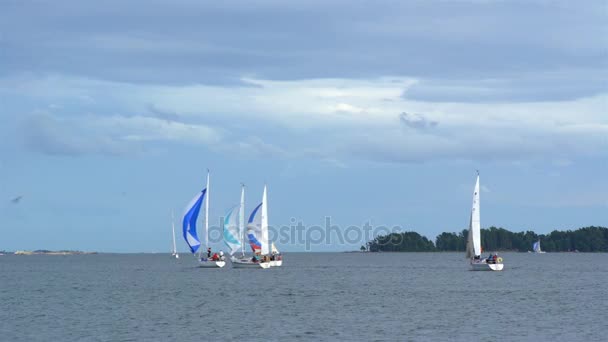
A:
(254, 259)
(489, 259)
(495, 258)
(209, 252)
(221, 255)
(215, 257)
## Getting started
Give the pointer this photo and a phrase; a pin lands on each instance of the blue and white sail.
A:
(254, 230)
(189, 221)
(231, 230)
(536, 247)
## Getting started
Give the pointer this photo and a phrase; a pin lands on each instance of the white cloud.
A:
(331, 118)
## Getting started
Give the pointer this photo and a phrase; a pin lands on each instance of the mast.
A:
(242, 219)
(207, 214)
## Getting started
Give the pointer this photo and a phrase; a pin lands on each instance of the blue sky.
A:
(111, 112)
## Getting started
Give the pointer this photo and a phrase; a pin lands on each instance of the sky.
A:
(111, 112)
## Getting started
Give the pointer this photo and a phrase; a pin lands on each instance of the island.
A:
(47, 252)
(587, 239)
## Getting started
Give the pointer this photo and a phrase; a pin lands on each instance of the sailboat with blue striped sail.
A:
(257, 235)
(189, 228)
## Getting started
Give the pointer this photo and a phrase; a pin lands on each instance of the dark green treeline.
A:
(588, 239)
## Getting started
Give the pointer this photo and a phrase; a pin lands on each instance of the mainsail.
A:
(189, 221)
(474, 238)
(231, 231)
(264, 228)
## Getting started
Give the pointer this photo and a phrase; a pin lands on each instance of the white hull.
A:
(211, 264)
(276, 263)
(175, 256)
(249, 264)
(482, 266)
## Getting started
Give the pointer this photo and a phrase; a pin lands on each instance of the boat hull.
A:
(482, 266)
(249, 264)
(211, 264)
(276, 263)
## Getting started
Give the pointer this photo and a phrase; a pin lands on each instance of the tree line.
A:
(587, 239)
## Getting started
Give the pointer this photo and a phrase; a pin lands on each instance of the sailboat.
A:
(174, 252)
(474, 239)
(536, 248)
(276, 259)
(257, 234)
(189, 227)
(234, 235)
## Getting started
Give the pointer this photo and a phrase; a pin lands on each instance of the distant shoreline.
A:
(47, 252)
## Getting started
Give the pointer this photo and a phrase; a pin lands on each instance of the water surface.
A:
(316, 296)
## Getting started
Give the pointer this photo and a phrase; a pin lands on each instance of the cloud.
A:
(161, 114)
(562, 85)
(54, 134)
(458, 49)
(416, 121)
(48, 134)
(300, 119)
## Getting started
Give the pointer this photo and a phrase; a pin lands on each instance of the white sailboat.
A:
(536, 248)
(474, 239)
(174, 251)
(276, 259)
(189, 228)
(257, 234)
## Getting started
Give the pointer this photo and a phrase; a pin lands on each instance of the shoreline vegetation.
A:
(493, 239)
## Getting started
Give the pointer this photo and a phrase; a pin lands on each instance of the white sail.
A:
(242, 219)
(469, 250)
(273, 249)
(264, 227)
(174, 251)
(475, 224)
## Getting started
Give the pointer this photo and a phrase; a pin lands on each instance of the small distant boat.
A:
(174, 251)
(474, 239)
(536, 248)
(189, 228)
(276, 259)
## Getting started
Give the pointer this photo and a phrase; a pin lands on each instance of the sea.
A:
(313, 297)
